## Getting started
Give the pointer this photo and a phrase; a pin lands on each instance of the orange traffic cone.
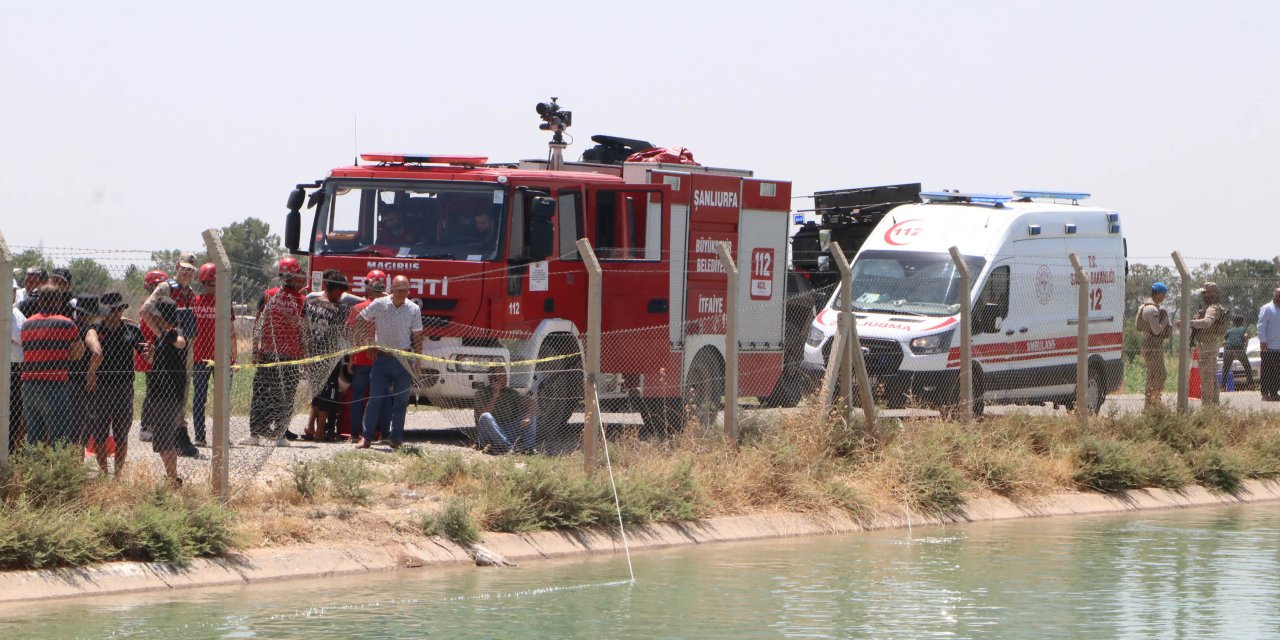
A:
(89, 449)
(1193, 381)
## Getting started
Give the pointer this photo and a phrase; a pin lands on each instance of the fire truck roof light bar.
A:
(419, 158)
(965, 198)
(1074, 196)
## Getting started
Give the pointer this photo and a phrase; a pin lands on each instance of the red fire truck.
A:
(489, 250)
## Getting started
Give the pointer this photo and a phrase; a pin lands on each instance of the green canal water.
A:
(1197, 573)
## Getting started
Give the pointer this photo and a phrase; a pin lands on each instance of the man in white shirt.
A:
(1269, 336)
(397, 324)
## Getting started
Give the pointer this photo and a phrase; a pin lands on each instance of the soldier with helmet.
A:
(1154, 328)
(204, 308)
(361, 364)
(1207, 328)
(279, 337)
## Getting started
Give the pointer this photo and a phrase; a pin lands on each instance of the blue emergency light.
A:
(799, 218)
(965, 198)
(1074, 196)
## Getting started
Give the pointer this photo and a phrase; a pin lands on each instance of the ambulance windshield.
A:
(443, 221)
(909, 282)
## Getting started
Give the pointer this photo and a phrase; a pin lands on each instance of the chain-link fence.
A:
(119, 351)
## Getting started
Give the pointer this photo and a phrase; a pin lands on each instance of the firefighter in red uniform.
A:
(279, 337)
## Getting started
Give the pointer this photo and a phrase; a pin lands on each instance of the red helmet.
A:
(208, 273)
(376, 280)
(153, 278)
(289, 267)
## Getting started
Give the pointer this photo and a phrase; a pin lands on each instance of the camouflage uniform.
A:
(1210, 324)
(1154, 328)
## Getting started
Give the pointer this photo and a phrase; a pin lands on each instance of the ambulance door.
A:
(990, 322)
(1040, 344)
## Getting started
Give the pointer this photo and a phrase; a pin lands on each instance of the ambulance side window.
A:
(996, 292)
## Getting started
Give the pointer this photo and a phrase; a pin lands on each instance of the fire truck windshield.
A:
(909, 282)
(436, 220)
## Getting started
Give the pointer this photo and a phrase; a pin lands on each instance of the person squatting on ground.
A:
(50, 341)
(166, 387)
(1154, 328)
(204, 308)
(1235, 347)
(1207, 327)
(397, 324)
(278, 339)
(1269, 339)
(361, 363)
(111, 377)
(16, 431)
(505, 420)
(326, 313)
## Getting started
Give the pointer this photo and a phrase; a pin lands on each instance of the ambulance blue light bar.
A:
(1074, 196)
(967, 198)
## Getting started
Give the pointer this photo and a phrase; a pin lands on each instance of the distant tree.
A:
(253, 251)
(31, 258)
(90, 278)
(131, 282)
(1246, 285)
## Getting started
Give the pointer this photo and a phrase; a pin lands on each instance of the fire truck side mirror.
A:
(542, 231)
(293, 221)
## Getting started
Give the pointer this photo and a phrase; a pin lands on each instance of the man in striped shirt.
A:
(49, 343)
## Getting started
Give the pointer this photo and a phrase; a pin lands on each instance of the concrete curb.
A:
(261, 565)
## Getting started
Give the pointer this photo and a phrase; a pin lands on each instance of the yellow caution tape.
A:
(407, 354)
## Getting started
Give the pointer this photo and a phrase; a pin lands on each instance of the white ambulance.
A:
(1023, 291)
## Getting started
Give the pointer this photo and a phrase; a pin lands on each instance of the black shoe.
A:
(190, 453)
(289, 435)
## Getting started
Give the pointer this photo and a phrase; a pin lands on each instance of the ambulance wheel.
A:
(559, 385)
(662, 417)
(952, 410)
(704, 388)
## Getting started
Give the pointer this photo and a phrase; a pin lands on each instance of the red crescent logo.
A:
(902, 233)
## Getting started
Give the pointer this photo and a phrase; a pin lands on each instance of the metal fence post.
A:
(6, 349)
(1184, 332)
(852, 347)
(730, 342)
(591, 369)
(1082, 342)
(966, 339)
(223, 325)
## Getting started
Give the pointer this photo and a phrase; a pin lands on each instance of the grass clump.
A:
(37, 537)
(1218, 470)
(1107, 465)
(306, 479)
(445, 470)
(454, 522)
(348, 478)
(45, 475)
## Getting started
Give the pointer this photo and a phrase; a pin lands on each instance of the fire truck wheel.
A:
(704, 388)
(559, 386)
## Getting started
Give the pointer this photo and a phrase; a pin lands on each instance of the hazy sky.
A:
(137, 125)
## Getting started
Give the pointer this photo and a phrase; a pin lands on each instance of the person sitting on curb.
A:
(505, 420)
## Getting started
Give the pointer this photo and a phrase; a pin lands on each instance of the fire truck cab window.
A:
(432, 221)
(569, 219)
(628, 225)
